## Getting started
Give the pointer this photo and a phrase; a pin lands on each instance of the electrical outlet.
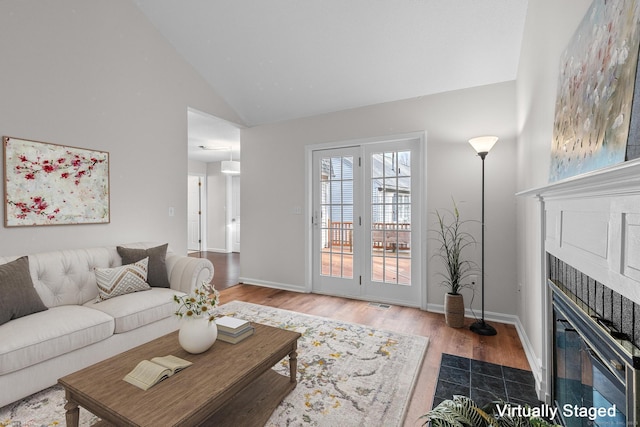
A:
(474, 279)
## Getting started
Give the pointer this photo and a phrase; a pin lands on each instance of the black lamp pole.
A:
(480, 327)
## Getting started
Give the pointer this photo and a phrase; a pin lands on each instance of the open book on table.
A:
(150, 372)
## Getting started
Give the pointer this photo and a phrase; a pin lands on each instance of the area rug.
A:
(348, 375)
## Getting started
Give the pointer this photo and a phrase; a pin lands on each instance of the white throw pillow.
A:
(122, 280)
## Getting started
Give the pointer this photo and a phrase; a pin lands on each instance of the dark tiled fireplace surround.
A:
(606, 303)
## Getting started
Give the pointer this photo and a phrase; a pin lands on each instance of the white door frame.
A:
(203, 208)
(422, 176)
(230, 245)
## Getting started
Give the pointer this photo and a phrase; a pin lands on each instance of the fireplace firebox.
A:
(595, 367)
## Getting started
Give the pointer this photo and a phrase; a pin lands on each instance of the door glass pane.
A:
(337, 216)
(391, 217)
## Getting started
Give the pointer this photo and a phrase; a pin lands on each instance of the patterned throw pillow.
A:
(122, 280)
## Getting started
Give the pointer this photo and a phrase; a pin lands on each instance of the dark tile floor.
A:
(484, 382)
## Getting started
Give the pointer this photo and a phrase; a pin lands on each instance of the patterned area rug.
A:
(348, 375)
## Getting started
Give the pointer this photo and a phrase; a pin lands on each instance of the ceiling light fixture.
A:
(230, 166)
(209, 148)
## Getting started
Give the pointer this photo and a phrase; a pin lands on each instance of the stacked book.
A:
(233, 330)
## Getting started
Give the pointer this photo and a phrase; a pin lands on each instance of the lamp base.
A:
(482, 328)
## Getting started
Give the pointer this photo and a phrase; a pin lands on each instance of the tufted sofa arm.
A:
(185, 273)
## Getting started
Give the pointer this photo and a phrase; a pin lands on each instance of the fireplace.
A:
(595, 366)
(590, 294)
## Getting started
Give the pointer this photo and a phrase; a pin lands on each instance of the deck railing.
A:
(384, 236)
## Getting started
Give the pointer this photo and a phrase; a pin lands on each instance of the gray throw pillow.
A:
(18, 297)
(157, 275)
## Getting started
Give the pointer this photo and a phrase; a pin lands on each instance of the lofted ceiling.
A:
(211, 139)
(275, 60)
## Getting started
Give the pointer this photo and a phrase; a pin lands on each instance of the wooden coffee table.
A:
(230, 384)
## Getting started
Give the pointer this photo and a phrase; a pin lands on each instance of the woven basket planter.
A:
(454, 310)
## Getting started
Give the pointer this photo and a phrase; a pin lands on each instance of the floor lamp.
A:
(482, 145)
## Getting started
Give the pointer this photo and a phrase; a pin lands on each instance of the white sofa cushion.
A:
(68, 277)
(131, 311)
(47, 334)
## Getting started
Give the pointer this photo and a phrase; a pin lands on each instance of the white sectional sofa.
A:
(73, 330)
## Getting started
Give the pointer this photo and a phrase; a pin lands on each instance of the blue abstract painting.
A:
(595, 90)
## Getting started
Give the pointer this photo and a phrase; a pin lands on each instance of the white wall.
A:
(216, 208)
(549, 26)
(273, 180)
(97, 75)
(195, 167)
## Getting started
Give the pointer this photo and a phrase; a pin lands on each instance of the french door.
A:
(337, 183)
(366, 222)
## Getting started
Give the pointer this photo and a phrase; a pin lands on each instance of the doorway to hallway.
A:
(226, 267)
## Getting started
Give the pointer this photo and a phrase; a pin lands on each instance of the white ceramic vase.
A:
(197, 335)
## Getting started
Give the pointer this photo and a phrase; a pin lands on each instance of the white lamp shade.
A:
(483, 144)
(230, 166)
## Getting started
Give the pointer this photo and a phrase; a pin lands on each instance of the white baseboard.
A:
(274, 285)
(534, 361)
(218, 250)
(488, 315)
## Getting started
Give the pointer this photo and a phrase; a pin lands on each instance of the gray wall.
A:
(97, 75)
(273, 248)
(549, 26)
(216, 208)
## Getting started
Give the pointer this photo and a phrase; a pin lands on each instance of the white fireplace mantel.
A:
(614, 180)
(592, 222)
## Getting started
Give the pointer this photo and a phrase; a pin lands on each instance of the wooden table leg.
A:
(293, 364)
(73, 412)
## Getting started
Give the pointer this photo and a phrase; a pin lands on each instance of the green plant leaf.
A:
(461, 411)
(453, 241)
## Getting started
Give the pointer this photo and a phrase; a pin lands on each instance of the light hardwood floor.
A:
(504, 349)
